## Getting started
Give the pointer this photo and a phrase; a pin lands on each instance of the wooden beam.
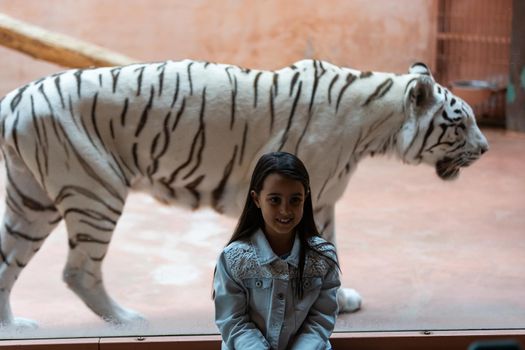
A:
(56, 48)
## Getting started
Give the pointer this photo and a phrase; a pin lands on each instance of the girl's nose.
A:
(284, 209)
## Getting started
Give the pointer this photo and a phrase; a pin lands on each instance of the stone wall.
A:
(364, 34)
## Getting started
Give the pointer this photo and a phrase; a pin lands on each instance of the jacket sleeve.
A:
(320, 322)
(231, 312)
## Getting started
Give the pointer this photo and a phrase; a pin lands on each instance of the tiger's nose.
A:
(483, 148)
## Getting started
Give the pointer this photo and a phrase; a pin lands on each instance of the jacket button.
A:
(258, 284)
(280, 296)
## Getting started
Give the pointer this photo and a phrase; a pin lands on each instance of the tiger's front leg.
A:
(348, 299)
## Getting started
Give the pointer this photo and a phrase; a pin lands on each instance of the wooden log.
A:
(56, 48)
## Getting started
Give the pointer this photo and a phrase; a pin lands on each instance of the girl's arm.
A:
(320, 322)
(231, 314)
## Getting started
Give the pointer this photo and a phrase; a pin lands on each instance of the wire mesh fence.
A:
(473, 48)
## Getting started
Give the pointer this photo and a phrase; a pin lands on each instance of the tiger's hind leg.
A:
(29, 218)
(348, 299)
(91, 215)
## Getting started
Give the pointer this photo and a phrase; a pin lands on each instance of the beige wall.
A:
(382, 35)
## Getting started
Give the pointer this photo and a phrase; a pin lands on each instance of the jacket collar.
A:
(265, 254)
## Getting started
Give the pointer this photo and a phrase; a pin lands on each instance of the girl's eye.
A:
(296, 200)
(274, 200)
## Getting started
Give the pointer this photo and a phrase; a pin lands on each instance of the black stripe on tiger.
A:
(192, 187)
(73, 190)
(96, 227)
(91, 214)
(115, 72)
(217, 193)
(227, 70)
(4, 259)
(290, 118)
(59, 90)
(87, 238)
(15, 132)
(233, 103)
(134, 153)
(294, 81)
(145, 112)
(197, 137)
(189, 77)
(201, 135)
(179, 114)
(176, 92)
(275, 83)
(334, 80)
(18, 97)
(272, 111)
(380, 91)
(78, 78)
(121, 170)
(162, 69)
(3, 121)
(166, 133)
(303, 133)
(111, 129)
(51, 112)
(71, 113)
(429, 131)
(54, 123)
(243, 144)
(94, 119)
(39, 165)
(87, 133)
(350, 78)
(314, 88)
(331, 173)
(18, 234)
(124, 112)
(459, 146)
(139, 79)
(255, 88)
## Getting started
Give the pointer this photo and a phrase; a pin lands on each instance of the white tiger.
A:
(75, 143)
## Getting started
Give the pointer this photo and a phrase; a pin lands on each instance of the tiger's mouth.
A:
(448, 168)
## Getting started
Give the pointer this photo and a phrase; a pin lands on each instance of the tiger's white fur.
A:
(189, 132)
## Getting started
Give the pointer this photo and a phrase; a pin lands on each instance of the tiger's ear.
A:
(420, 68)
(422, 93)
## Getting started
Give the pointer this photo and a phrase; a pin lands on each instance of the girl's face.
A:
(281, 201)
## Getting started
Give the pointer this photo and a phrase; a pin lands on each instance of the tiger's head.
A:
(440, 128)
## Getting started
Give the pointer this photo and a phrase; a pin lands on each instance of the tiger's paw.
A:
(348, 300)
(19, 324)
(127, 318)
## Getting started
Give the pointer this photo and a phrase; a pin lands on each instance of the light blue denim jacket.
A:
(255, 303)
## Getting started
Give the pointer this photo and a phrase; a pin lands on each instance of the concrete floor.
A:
(425, 255)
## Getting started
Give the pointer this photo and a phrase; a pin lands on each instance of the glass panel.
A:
(424, 254)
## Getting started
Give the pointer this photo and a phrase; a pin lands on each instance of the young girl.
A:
(276, 281)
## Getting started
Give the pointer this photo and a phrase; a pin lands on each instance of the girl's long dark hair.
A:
(251, 219)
